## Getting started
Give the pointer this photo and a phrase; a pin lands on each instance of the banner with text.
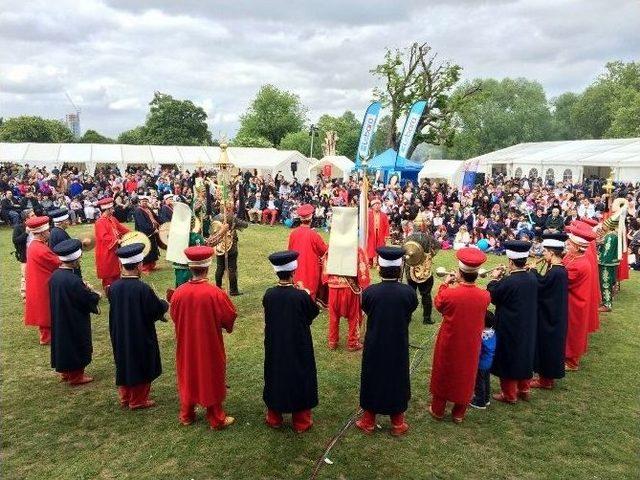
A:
(409, 130)
(368, 130)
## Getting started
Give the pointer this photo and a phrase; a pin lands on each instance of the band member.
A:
(385, 387)
(592, 255)
(420, 277)
(166, 210)
(579, 277)
(134, 309)
(516, 299)
(181, 271)
(229, 262)
(41, 263)
(344, 301)
(457, 348)
(200, 312)
(552, 313)
(108, 231)
(60, 218)
(147, 223)
(72, 303)
(19, 239)
(377, 230)
(609, 255)
(311, 247)
(290, 379)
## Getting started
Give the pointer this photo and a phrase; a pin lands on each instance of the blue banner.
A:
(409, 130)
(368, 130)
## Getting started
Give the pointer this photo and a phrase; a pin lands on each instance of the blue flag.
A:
(368, 130)
(409, 130)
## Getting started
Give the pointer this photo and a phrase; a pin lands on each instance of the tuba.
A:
(419, 253)
(221, 238)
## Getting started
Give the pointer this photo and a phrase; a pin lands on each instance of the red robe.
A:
(311, 247)
(108, 231)
(41, 263)
(457, 350)
(200, 311)
(580, 296)
(377, 232)
(594, 315)
(623, 267)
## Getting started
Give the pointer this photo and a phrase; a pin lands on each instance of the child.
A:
(483, 384)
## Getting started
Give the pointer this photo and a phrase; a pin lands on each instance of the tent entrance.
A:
(600, 172)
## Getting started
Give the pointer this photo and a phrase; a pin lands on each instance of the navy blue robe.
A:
(144, 224)
(385, 387)
(71, 304)
(165, 214)
(516, 301)
(553, 314)
(290, 378)
(134, 309)
(56, 236)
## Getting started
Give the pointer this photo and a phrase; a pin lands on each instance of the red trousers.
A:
(148, 267)
(512, 388)
(301, 421)
(134, 396)
(215, 414)
(438, 405)
(368, 419)
(573, 362)
(72, 376)
(266, 213)
(108, 281)
(546, 382)
(45, 335)
(344, 303)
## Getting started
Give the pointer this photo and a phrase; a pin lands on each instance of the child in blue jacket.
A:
(483, 384)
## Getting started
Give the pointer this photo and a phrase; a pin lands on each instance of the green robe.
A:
(608, 262)
(182, 272)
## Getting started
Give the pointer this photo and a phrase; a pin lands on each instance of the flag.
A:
(409, 130)
(367, 132)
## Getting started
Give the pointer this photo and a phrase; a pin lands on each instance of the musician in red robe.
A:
(592, 255)
(41, 263)
(108, 231)
(457, 349)
(344, 301)
(377, 230)
(580, 294)
(311, 247)
(200, 312)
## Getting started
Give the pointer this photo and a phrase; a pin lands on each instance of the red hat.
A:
(580, 236)
(105, 203)
(305, 210)
(38, 224)
(199, 256)
(374, 201)
(581, 224)
(589, 221)
(470, 259)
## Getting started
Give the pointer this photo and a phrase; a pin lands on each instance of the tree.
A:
(562, 116)
(504, 113)
(91, 136)
(347, 127)
(272, 114)
(244, 140)
(381, 138)
(135, 136)
(175, 122)
(301, 141)
(414, 74)
(34, 129)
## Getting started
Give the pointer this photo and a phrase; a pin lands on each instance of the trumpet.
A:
(482, 273)
(443, 272)
(535, 265)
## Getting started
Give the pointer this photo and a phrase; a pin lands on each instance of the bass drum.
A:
(163, 235)
(136, 237)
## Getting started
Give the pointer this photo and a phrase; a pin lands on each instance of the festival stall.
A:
(385, 163)
(332, 166)
(449, 171)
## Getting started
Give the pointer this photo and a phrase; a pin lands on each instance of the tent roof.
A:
(440, 168)
(340, 161)
(604, 153)
(386, 160)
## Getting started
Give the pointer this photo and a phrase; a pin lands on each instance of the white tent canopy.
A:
(341, 166)
(89, 155)
(568, 160)
(450, 171)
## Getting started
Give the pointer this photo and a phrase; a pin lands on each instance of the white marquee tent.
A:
(567, 160)
(341, 166)
(89, 155)
(450, 171)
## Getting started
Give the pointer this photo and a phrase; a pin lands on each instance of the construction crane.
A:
(73, 120)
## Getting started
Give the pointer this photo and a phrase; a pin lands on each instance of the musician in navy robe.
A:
(290, 379)
(134, 309)
(147, 222)
(60, 218)
(166, 210)
(385, 387)
(71, 302)
(553, 313)
(516, 299)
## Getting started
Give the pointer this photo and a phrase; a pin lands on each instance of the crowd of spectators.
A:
(498, 210)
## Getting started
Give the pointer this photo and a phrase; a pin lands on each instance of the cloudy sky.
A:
(111, 55)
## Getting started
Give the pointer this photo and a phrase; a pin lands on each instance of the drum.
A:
(136, 237)
(163, 235)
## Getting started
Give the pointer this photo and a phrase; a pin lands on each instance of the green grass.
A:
(587, 428)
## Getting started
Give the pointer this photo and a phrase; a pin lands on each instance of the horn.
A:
(88, 243)
(443, 272)
(413, 253)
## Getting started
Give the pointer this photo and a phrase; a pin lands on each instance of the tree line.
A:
(463, 118)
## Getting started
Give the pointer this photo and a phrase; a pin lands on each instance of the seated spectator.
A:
(270, 212)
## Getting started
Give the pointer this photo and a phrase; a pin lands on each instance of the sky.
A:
(111, 55)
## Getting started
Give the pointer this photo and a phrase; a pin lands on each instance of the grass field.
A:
(588, 428)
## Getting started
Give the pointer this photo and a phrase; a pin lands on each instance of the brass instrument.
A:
(136, 237)
(482, 273)
(443, 272)
(221, 238)
(535, 265)
(418, 257)
(88, 243)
